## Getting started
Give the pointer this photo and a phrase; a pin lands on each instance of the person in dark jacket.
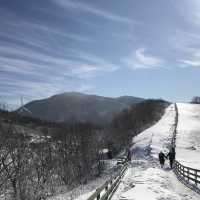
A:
(162, 159)
(129, 155)
(171, 155)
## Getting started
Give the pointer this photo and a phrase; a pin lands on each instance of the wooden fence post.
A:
(195, 177)
(109, 187)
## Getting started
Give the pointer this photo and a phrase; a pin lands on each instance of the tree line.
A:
(130, 122)
(195, 100)
(64, 155)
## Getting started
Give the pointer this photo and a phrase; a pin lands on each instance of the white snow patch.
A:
(188, 135)
(85, 196)
(155, 186)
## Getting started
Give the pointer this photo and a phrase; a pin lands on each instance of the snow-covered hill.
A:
(144, 178)
(156, 137)
(188, 135)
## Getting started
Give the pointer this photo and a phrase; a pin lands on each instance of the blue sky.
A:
(141, 48)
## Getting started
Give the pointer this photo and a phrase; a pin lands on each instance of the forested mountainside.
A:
(73, 106)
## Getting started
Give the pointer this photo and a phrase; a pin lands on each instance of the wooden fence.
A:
(106, 191)
(190, 175)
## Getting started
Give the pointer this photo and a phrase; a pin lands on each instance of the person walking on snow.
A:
(162, 159)
(128, 158)
(171, 155)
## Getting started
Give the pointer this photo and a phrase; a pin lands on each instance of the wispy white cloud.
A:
(146, 59)
(78, 64)
(93, 63)
(141, 60)
(50, 30)
(89, 70)
(192, 63)
(192, 59)
(44, 48)
(88, 8)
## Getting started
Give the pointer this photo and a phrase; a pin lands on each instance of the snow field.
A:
(144, 178)
(188, 135)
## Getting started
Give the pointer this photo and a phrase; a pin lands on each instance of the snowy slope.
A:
(156, 137)
(144, 178)
(188, 135)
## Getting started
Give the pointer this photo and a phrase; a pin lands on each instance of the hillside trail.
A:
(144, 178)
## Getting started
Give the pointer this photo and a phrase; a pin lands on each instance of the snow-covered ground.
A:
(157, 137)
(144, 178)
(188, 135)
(83, 192)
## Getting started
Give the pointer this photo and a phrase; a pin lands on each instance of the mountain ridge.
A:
(75, 106)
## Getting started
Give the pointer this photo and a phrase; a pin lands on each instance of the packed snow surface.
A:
(144, 178)
(188, 135)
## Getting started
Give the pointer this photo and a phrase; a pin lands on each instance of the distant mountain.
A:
(71, 106)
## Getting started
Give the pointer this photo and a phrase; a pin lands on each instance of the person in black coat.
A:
(171, 155)
(162, 159)
(129, 155)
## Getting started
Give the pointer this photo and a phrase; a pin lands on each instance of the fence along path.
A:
(189, 176)
(106, 191)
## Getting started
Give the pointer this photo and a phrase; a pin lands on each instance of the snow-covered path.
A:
(144, 178)
(188, 135)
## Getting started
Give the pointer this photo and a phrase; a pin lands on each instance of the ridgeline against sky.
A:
(111, 48)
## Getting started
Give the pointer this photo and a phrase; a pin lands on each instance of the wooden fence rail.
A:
(106, 191)
(192, 176)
